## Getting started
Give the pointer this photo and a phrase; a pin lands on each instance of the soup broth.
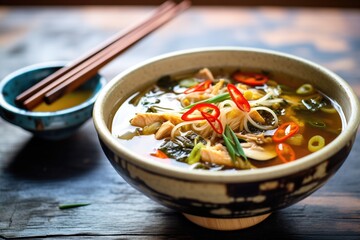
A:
(226, 119)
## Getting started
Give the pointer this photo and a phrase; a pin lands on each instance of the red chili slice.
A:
(211, 120)
(238, 98)
(209, 112)
(285, 152)
(249, 78)
(208, 108)
(199, 87)
(285, 131)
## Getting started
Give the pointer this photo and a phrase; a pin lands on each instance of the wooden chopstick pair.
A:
(75, 74)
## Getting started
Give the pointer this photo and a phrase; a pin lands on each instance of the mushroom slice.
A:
(260, 153)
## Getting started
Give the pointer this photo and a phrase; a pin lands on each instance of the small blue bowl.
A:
(47, 125)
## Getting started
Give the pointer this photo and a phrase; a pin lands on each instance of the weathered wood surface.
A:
(36, 176)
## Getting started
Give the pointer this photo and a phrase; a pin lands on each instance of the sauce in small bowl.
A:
(56, 121)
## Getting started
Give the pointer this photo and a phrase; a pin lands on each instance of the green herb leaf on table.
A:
(72, 205)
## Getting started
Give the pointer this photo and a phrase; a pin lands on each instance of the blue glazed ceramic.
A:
(236, 199)
(48, 125)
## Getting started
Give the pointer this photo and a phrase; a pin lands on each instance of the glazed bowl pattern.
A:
(228, 198)
(48, 125)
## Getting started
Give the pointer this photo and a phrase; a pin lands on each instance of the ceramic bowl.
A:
(226, 200)
(47, 125)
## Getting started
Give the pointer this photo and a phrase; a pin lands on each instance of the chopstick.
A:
(20, 99)
(80, 77)
(69, 78)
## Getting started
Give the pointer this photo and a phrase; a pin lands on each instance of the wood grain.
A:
(34, 181)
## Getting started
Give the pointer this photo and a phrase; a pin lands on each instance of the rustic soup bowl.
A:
(226, 200)
(47, 125)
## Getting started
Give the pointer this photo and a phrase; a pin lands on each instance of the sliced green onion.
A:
(215, 99)
(73, 205)
(233, 145)
(316, 143)
(188, 82)
(230, 148)
(317, 124)
(239, 150)
(305, 89)
(195, 154)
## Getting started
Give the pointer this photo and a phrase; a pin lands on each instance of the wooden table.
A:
(36, 176)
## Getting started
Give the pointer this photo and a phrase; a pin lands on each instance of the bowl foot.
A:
(226, 224)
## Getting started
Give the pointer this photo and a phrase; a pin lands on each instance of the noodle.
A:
(259, 126)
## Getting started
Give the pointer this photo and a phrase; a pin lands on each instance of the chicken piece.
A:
(146, 119)
(257, 138)
(219, 155)
(164, 130)
(217, 87)
(205, 73)
(216, 154)
(174, 118)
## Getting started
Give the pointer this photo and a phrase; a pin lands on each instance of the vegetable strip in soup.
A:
(226, 120)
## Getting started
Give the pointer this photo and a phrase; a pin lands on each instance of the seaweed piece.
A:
(312, 104)
(181, 146)
(166, 82)
(174, 150)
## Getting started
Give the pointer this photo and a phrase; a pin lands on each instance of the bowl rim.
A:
(39, 66)
(260, 174)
